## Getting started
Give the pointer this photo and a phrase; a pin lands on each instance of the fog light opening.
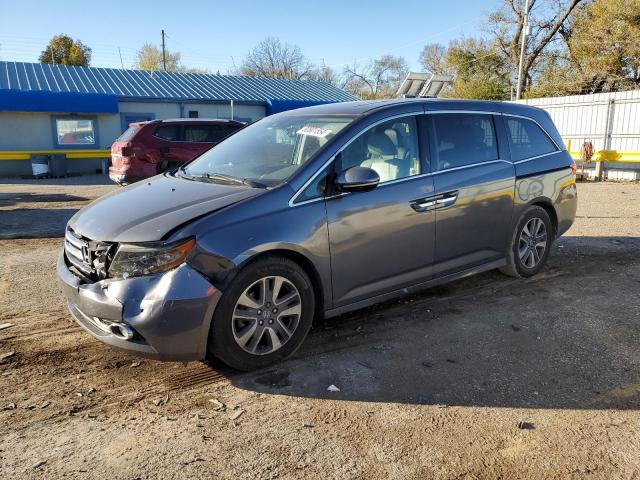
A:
(120, 330)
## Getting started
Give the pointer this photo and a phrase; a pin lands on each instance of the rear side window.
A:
(168, 132)
(463, 139)
(207, 133)
(527, 139)
(128, 134)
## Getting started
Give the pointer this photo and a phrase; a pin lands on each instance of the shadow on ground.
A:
(34, 222)
(567, 338)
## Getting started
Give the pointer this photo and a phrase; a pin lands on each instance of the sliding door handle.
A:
(447, 199)
(422, 205)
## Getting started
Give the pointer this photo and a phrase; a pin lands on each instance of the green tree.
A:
(546, 20)
(63, 50)
(480, 70)
(604, 46)
(149, 57)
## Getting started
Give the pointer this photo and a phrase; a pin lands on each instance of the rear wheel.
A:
(264, 315)
(530, 243)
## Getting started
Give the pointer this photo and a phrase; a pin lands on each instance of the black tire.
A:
(516, 267)
(222, 342)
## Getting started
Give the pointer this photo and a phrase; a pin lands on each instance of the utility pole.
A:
(164, 55)
(121, 63)
(525, 31)
(53, 60)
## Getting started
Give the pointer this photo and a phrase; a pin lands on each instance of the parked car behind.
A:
(312, 212)
(149, 148)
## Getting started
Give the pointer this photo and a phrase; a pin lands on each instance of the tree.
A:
(380, 78)
(272, 58)
(480, 70)
(604, 45)
(63, 50)
(546, 19)
(433, 59)
(324, 73)
(149, 57)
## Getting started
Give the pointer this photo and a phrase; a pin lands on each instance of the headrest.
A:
(379, 145)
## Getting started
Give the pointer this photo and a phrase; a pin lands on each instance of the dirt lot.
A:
(432, 386)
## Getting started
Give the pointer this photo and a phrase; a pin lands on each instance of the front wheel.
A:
(530, 243)
(264, 315)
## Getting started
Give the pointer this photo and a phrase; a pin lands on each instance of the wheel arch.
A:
(546, 204)
(304, 262)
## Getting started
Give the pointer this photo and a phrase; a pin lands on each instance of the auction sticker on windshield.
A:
(314, 131)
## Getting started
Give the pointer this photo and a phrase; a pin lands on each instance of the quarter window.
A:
(390, 148)
(527, 139)
(75, 131)
(464, 139)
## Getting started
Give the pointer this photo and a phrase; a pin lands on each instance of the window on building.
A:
(75, 131)
(464, 139)
(193, 113)
(168, 132)
(527, 139)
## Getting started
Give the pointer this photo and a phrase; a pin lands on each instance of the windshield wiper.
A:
(213, 177)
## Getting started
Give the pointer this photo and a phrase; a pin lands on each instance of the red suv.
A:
(148, 148)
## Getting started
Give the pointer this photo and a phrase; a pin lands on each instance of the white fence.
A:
(611, 121)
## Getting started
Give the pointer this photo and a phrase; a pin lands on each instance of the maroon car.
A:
(148, 148)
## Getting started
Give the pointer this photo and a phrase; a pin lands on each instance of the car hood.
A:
(147, 210)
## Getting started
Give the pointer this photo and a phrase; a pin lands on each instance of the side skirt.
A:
(334, 312)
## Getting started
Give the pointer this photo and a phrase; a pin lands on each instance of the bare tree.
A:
(546, 19)
(379, 78)
(433, 59)
(272, 58)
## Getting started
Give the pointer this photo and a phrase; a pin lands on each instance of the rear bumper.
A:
(170, 313)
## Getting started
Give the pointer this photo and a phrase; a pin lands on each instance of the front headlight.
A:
(134, 260)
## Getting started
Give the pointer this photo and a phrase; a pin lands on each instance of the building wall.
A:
(34, 131)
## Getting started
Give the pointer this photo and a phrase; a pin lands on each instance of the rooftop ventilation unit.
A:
(423, 85)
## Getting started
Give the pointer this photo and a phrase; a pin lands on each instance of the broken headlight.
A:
(134, 260)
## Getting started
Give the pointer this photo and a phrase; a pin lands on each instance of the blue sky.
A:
(215, 35)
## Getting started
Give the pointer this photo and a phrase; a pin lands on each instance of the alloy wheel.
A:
(533, 242)
(266, 315)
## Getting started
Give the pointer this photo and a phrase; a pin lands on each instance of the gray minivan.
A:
(316, 212)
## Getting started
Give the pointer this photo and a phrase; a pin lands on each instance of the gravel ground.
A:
(487, 377)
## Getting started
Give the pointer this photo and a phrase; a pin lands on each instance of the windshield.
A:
(267, 152)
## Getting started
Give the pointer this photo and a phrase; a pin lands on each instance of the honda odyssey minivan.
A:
(315, 212)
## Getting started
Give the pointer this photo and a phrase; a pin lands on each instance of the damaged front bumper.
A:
(169, 314)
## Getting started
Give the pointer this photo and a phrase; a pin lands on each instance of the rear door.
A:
(382, 240)
(474, 186)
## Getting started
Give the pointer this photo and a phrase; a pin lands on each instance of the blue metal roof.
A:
(159, 85)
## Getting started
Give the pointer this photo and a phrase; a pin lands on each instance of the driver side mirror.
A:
(357, 179)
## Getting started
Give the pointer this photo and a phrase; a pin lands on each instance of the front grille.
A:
(89, 258)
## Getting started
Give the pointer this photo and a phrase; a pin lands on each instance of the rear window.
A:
(128, 133)
(527, 139)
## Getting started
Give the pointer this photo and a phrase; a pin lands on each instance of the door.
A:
(474, 190)
(382, 240)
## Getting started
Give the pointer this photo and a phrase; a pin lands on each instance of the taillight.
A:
(574, 168)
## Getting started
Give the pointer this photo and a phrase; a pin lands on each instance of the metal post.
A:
(231, 109)
(600, 170)
(523, 44)
(164, 56)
